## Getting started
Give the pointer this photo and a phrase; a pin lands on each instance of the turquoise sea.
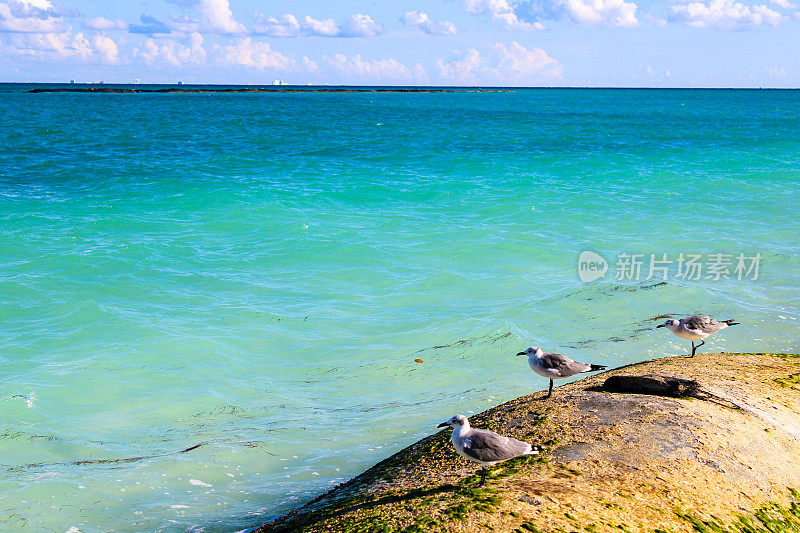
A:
(257, 273)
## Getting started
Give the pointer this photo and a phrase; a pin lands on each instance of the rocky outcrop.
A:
(709, 443)
(120, 90)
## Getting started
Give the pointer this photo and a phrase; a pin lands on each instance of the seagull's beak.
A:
(522, 353)
(660, 326)
(443, 425)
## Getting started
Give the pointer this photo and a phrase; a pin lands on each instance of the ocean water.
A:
(257, 273)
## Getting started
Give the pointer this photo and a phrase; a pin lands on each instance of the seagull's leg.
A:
(549, 392)
(701, 343)
(483, 477)
(694, 348)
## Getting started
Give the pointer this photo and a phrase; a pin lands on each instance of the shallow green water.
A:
(258, 272)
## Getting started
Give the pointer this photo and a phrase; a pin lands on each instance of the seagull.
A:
(484, 447)
(695, 328)
(555, 365)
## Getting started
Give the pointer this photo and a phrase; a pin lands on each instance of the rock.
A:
(710, 443)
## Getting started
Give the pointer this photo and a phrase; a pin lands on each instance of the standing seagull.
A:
(695, 328)
(555, 365)
(484, 447)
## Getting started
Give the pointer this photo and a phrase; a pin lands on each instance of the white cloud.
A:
(30, 16)
(518, 63)
(501, 12)
(323, 28)
(106, 48)
(283, 26)
(102, 23)
(39, 4)
(602, 12)
(63, 46)
(309, 66)
(423, 23)
(375, 71)
(219, 16)
(358, 26)
(527, 15)
(361, 26)
(216, 15)
(38, 32)
(173, 52)
(255, 54)
(52, 45)
(461, 68)
(724, 15)
(502, 64)
(785, 4)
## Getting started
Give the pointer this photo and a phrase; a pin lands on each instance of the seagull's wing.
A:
(563, 365)
(555, 361)
(489, 447)
(701, 323)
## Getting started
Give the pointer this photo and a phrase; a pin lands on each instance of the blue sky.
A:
(679, 43)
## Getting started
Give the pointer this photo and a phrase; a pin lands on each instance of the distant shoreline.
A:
(257, 90)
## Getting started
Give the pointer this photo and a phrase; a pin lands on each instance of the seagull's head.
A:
(456, 422)
(669, 324)
(533, 350)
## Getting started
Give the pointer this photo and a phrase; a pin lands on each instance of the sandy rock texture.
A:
(709, 443)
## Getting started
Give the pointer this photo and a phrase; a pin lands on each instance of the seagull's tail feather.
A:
(731, 322)
(596, 367)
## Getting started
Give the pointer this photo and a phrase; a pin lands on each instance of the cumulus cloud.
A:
(601, 12)
(423, 23)
(287, 25)
(173, 52)
(37, 4)
(785, 4)
(361, 26)
(283, 26)
(258, 54)
(724, 15)
(501, 64)
(38, 32)
(106, 48)
(528, 15)
(322, 28)
(517, 62)
(102, 23)
(63, 46)
(462, 67)
(376, 71)
(215, 17)
(30, 16)
(219, 17)
(501, 12)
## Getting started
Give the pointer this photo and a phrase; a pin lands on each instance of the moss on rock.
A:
(709, 443)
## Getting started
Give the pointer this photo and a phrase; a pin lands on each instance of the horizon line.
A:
(507, 87)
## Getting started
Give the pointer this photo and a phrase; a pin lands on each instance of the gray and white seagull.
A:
(555, 365)
(696, 328)
(484, 447)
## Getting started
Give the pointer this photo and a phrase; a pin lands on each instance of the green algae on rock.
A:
(709, 443)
